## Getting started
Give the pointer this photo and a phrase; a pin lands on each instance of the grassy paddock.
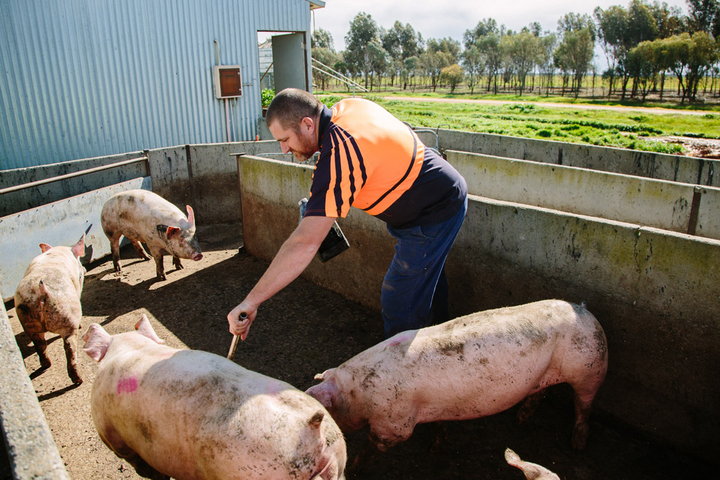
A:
(604, 127)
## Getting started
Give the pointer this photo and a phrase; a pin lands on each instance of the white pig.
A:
(143, 216)
(191, 414)
(532, 471)
(469, 367)
(47, 299)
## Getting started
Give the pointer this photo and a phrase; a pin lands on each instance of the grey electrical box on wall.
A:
(227, 80)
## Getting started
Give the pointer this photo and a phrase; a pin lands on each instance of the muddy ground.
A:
(302, 331)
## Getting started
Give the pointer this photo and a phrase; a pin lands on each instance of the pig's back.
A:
(505, 353)
(138, 212)
(195, 405)
(61, 274)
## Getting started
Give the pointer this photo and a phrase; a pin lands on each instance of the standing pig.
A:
(470, 367)
(47, 299)
(196, 415)
(143, 216)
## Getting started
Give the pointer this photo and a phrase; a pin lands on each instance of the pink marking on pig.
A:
(401, 338)
(126, 385)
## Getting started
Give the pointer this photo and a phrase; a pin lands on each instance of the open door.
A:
(290, 61)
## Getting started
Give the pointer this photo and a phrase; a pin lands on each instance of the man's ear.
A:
(308, 124)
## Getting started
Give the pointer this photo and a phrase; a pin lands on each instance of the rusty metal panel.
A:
(84, 79)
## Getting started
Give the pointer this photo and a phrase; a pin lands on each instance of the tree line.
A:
(643, 43)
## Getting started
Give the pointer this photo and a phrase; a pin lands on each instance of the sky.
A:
(451, 18)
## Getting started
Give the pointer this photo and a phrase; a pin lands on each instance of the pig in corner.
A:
(144, 216)
(195, 415)
(47, 299)
(470, 367)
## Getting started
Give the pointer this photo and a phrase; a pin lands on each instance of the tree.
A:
(452, 75)
(327, 57)
(704, 16)
(545, 59)
(522, 51)
(400, 42)
(575, 52)
(432, 62)
(363, 32)
(644, 65)
(473, 61)
(484, 28)
(689, 57)
(612, 25)
(324, 52)
(322, 39)
(445, 45)
(489, 46)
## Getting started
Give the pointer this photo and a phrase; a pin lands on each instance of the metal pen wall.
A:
(88, 78)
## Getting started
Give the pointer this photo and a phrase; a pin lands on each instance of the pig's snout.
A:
(197, 256)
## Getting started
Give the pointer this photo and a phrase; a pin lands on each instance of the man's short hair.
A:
(292, 105)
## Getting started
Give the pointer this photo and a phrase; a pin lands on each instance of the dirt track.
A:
(302, 331)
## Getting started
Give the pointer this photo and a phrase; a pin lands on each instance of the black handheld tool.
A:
(335, 241)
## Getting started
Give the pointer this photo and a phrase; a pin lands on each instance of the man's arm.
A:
(294, 256)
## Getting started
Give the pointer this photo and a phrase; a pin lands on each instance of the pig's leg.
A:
(583, 404)
(139, 248)
(71, 363)
(159, 266)
(33, 328)
(40, 343)
(387, 434)
(530, 405)
(145, 470)
(115, 249)
(176, 263)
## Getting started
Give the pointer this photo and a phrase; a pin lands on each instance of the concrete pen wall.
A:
(668, 205)
(655, 292)
(677, 168)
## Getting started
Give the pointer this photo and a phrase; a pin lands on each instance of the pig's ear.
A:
(144, 327)
(45, 247)
(171, 231)
(190, 216)
(97, 341)
(79, 248)
(324, 393)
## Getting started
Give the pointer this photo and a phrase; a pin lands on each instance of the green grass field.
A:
(623, 129)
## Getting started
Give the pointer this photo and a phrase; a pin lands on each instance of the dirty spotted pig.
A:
(144, 216)
(47, 299)
(190, 414)
(470, 367)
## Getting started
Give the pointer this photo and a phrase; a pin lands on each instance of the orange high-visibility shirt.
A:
(372, 161)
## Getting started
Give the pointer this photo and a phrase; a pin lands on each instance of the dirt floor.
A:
(300, 332)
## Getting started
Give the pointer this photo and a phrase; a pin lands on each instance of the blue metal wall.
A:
(84, 78)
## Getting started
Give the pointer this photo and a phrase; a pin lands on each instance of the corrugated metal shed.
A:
(89, 78)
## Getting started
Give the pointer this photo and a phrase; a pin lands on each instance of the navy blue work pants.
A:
(415, 291)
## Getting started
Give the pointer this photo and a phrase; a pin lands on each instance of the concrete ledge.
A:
(676, 168)
(31, 450)
(649, 202)
(654, 291)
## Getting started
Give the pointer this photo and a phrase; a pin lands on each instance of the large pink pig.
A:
(143, 216)
(47, 299)
(470, 367)
(196, 415)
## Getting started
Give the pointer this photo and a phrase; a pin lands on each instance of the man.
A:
(372, 161)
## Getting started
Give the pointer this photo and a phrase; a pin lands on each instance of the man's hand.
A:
(238, 326)
(294, 255)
